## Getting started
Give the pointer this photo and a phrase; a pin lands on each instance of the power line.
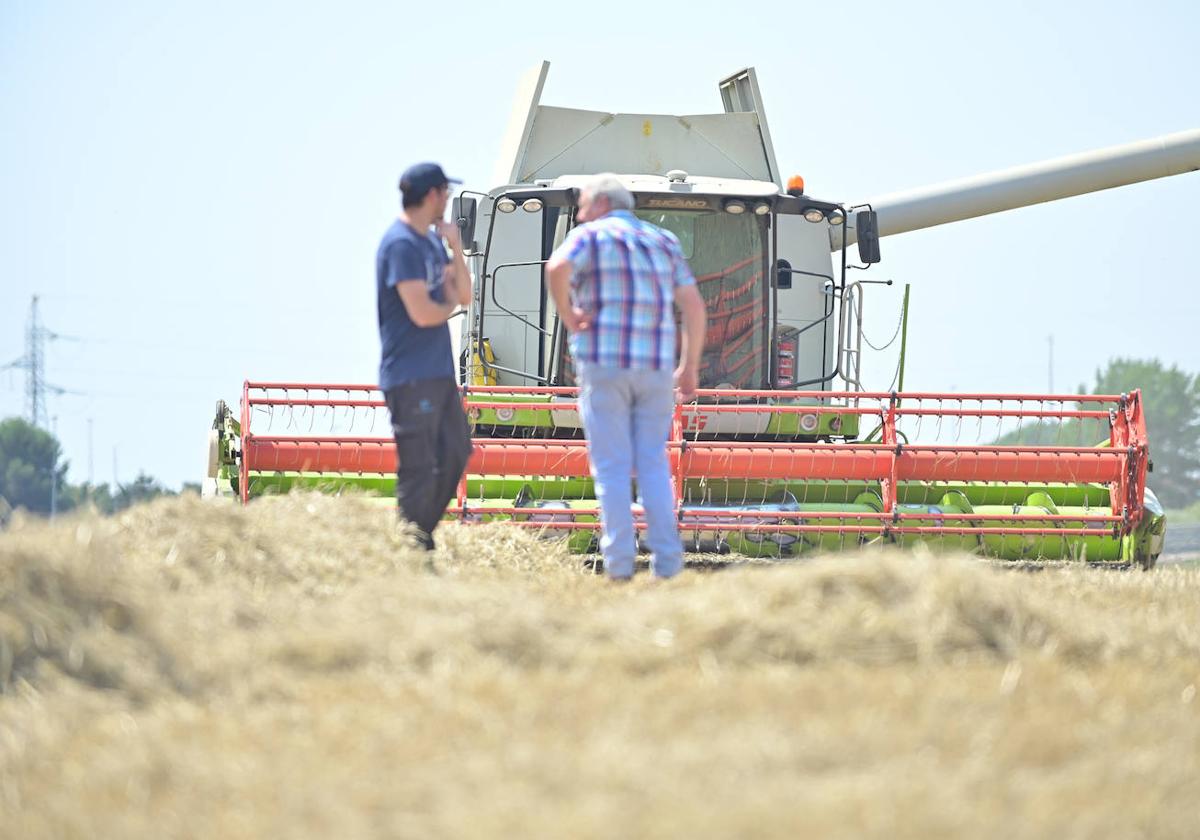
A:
(34, 365)
(35, 360)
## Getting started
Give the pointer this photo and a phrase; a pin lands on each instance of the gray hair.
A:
(607, 184)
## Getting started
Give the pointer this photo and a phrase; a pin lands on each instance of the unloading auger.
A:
(784, 451)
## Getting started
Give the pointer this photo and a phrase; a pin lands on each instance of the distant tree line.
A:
(33, 476)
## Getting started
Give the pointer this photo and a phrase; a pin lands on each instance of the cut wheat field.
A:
(193, 669)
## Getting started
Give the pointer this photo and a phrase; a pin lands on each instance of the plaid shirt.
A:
(626, 273)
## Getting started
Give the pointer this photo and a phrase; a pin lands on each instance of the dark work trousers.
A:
(433, 443)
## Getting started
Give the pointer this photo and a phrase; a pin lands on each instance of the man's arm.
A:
(558, 280)
(691, 305)
(458, 276)
(695, 322)
(406, 271)
(422, 309)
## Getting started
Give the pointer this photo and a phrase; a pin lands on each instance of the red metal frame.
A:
(1122, 465)
(243, 461)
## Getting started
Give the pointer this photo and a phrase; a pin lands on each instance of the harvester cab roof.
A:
(677, 190)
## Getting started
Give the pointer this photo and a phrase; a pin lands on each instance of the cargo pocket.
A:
(416, 436)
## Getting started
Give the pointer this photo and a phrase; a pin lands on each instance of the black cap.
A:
(420, 178)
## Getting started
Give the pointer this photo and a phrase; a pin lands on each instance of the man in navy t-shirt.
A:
(419, 287)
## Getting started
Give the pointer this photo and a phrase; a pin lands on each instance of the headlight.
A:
(814, 215)
(735, 206)
(506, 205)
(532, 205)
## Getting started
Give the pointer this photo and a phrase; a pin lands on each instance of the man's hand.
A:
(450, 233)
(458, 276)
(575, 319)
(687, 380)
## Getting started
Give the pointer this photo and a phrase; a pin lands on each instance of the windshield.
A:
(726, 255)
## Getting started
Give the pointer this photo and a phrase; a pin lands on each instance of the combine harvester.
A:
(784, 451)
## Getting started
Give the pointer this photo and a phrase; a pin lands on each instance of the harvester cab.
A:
(762, 263)
(785, 450)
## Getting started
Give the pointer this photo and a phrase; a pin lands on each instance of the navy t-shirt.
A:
(411, 353)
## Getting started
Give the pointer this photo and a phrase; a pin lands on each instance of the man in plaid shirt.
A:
(615, 281)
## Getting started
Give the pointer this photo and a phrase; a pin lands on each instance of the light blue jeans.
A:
(627, 418)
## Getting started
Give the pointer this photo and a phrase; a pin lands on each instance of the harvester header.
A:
(919, 476)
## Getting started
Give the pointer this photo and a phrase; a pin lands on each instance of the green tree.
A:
(98, 496)
(1171, 401)
(30, 464)
(141, 489)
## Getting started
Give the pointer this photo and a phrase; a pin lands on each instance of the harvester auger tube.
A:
(1035, 183)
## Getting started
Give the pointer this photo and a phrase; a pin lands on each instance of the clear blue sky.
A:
(197, 190)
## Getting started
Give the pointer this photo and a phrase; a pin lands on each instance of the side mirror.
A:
(783, 275)
(866, 225)
(463, 208)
